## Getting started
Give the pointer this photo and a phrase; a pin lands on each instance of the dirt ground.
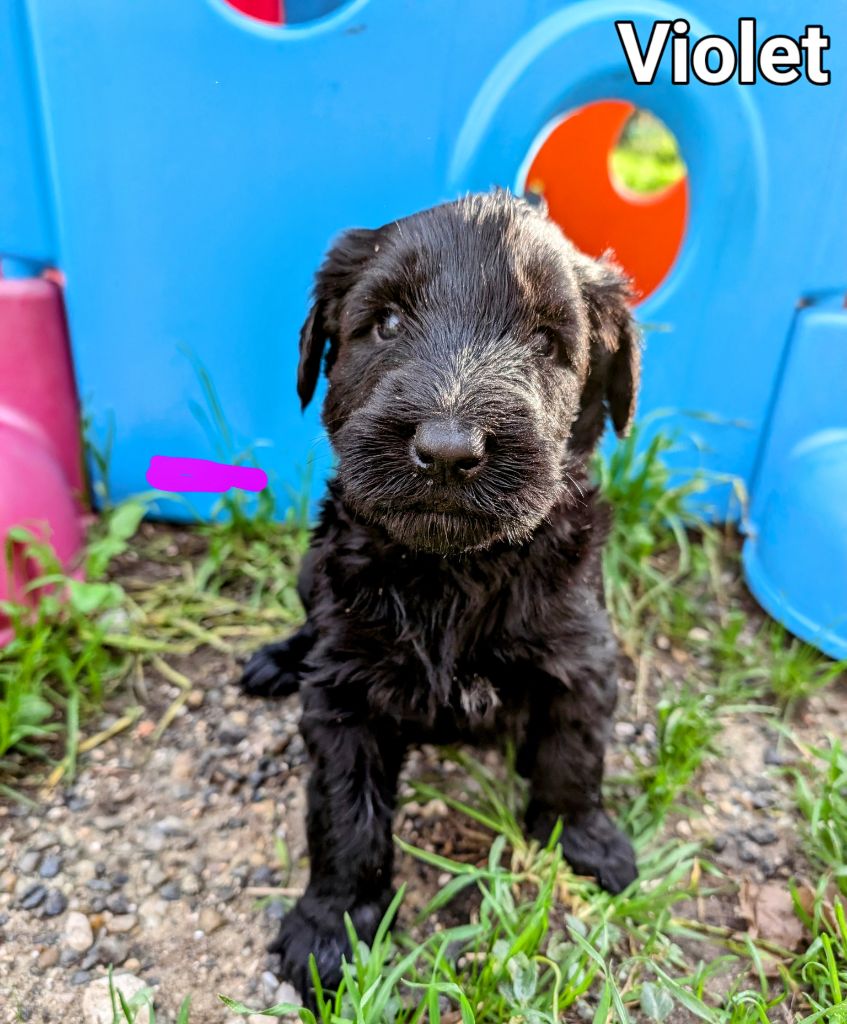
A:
(163, 858)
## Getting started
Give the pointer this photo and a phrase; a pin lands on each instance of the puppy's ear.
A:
(339, 270)
(615, 340)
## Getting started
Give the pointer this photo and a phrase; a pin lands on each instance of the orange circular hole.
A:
(609, 189)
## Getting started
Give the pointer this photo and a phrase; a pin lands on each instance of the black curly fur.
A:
(441, 610)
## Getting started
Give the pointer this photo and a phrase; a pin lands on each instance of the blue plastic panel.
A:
(26, 224)
(202, 161)
(795, 556)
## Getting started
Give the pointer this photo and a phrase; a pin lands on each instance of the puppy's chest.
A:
(446, 647)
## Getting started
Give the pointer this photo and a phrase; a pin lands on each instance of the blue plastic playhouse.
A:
(185, 166)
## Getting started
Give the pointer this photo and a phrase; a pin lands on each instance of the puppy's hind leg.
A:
(275, 670)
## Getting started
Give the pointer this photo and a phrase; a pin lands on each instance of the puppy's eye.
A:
(549, 341)
(388, 325)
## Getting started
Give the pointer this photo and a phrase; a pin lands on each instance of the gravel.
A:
(149, 862)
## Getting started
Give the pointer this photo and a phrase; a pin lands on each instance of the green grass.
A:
(646, 158)
(65, 653)
(544, 944)
(649, 552)
(85, 638)
(822, 800)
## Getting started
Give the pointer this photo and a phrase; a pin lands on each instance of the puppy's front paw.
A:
(594, 845)
(273, 671)
(299, 936)
(311, 927)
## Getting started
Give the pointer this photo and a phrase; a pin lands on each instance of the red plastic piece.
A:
(264, 10)
(41, 476)
(571, 171)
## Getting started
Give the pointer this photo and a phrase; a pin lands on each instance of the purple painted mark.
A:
(168, 473)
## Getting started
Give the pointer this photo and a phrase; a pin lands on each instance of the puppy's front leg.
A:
(563, 758)
(351, 798)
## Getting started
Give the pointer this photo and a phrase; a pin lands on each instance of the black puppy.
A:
(453, 586)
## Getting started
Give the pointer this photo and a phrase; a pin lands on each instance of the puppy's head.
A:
(473, 354)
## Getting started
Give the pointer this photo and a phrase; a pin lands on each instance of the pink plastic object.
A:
(41, 481)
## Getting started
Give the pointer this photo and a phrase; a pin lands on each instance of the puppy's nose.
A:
(448, 448)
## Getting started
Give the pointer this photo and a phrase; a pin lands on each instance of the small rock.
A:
(171, 826)
(111, 950)
(78, 933)
(118, 904)
(275, 911)
(33, 896)
(55, 904)
(270, 983)
(28, 863)
(262, 876)
(145, 728)
(170, 891)
(108, 822)
(763, 835)
(97, 1001)
(151, 913)
(184, 766)
(48, 957)
(230, 732)
(434, 809)
(84, 870)
(41, 838)
(191, 885)
(81, 978)
(50, 866)
(210, 920)
(747, 853)
(122, 923)
(286, 993)
(195, 698)
(156, 875)
(624, 730)
(774, 756)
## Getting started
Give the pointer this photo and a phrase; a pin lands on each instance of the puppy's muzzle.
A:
(448, 450)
